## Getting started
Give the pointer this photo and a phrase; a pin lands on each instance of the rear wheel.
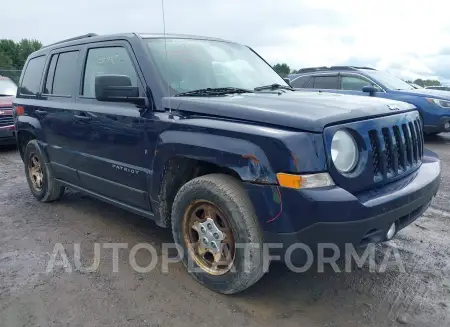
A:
(39, 175)
(215, 224)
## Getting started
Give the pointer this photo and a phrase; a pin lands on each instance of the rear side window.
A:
(62, 73)
(299, 82)
(104, 61)
(32, 76)
(326, 82)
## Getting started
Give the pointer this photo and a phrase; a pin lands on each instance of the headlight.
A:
(344, 151)
(439, 102)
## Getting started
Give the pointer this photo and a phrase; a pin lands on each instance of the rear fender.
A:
(32, 127)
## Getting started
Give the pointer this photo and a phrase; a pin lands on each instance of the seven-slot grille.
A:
(396, 149)
(6, 118)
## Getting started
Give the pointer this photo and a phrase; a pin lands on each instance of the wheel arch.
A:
(180, 158)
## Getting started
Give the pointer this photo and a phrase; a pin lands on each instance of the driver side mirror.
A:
(116, 88)
(370, 89)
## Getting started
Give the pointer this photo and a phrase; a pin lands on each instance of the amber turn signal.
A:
(305, 181)
(289, 180)
(19, 110)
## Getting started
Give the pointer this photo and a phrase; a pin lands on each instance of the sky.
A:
(410, 39)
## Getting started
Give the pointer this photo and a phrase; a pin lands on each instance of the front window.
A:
(388, 81)
(190, 64)
(7, 87)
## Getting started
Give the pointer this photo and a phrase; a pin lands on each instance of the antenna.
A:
(165, 49)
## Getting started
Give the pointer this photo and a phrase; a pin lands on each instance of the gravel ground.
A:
(29, 296)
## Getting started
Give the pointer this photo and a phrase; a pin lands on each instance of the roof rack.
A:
(331, 68)
(73, 39)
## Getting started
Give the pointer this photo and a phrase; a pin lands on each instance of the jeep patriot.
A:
(202, 136)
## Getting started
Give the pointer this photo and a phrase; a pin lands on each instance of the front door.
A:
(115, 155)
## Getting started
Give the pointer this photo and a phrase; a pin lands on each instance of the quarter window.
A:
(50, 75)
(32, 76)
(105, 61)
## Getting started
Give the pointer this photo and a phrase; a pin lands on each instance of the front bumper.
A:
(336, 216)
(7, 135)
(442, 126)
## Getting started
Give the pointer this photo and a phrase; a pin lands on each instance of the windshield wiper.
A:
(273, 87)
(214, 91)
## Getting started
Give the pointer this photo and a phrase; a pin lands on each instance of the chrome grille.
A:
(396, 149)
(6, 120)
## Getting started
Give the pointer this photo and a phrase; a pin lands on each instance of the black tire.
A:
(227, 194)
(51, 190)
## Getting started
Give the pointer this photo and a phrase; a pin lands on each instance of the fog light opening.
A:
(391, 232)
(447, 126)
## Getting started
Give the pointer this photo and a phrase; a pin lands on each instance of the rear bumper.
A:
(338, 217)
(7, 135)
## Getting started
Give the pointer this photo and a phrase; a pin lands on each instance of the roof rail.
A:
(331, 68)
(73, 39)
(351, 67)
(311, 69)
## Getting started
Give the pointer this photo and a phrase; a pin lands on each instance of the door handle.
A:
(41, 112)
(81, 117)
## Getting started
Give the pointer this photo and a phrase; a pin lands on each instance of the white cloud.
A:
(404, 37)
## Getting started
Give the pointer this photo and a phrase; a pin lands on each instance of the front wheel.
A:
(216, 226)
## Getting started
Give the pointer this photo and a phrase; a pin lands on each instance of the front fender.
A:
(245, 158)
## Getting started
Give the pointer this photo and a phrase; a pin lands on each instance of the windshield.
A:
(7, 87)
(192, 64)
(388, 81)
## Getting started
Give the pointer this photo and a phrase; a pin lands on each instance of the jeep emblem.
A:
(393, 107)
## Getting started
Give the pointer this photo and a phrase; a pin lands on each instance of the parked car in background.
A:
(8, 90)
(438, 87)
(202, 136)
(416, 86)
(434, 105)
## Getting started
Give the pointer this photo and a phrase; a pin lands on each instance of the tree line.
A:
(283, 70)
(14, 54)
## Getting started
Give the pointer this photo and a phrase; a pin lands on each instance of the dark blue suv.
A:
(202, 136)
(434, 106)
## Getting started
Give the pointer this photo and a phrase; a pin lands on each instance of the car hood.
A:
(425, 93)
(310, 111)
(6, 102)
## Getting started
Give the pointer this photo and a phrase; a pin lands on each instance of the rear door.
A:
(55, 110)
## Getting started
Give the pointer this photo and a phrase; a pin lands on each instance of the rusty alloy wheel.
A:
(209, 237)
(35, 172)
